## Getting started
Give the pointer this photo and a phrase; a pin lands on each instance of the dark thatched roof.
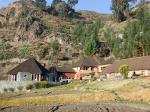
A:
(31, 65)
(138, 63)
(65, 69)
(92, 61)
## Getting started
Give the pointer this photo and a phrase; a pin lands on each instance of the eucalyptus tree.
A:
(119, 8)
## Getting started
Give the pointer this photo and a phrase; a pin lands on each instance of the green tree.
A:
(136, 38)
(86, 35)
(113, 43)
(25, 51)
(72, 3)
(131, 39)
(90, 46)
(110, 38)
(62, 9)
(118, 49)
(123, 70)
(78, 32)
(41, 3)
(54, 2)
(143, 16)
(119, 8)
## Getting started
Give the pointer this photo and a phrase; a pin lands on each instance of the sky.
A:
(100, 6)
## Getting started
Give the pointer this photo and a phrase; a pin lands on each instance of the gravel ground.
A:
(77, 108)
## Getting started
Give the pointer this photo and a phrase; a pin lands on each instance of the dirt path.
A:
(77, 108)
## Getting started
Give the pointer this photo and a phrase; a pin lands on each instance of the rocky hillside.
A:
(25, 24)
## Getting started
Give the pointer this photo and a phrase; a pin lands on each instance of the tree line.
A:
(58, 7)
(135, 40)
(86, 37)
(120, 8)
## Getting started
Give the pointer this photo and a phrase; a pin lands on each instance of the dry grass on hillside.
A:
(60, 99)
(130, 90)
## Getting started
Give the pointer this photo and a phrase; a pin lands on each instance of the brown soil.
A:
(77, 108)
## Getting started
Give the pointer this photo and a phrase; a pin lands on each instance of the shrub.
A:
(25, 51)
(11, 89)
(36, 85)
(124, 69)
(42, 52)
(24, 13)
(4, 55)
(20, 88)
(94, 79)
(5, 89)
(12, 11)
(41, 4)
(43, 84)
(56, 46)
(29, 86)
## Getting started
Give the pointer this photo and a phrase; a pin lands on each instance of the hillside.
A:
(23, 24)
(26, 25)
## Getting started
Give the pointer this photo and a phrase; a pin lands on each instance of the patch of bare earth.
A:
(77, 108)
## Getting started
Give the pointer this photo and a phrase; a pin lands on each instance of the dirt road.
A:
(78, 108)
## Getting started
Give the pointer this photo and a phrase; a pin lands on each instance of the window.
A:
(25, 76)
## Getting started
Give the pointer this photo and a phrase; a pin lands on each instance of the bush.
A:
(41, 4)
(42, 52)
(36, 85)
(43, 84)
(5, 89)
(11, 89)
(123, 70)
(24, 13)
(56, 46)
(29, 86)
(94, 79)
(25, 51)
(4, 55)
(20, 88)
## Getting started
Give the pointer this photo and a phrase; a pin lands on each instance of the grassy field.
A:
(124, 91)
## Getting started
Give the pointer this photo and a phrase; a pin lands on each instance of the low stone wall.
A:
(15, 84)
(12, 84)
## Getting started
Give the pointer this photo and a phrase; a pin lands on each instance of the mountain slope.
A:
(23, 24)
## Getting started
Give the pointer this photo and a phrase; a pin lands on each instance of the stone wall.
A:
(12, 84)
